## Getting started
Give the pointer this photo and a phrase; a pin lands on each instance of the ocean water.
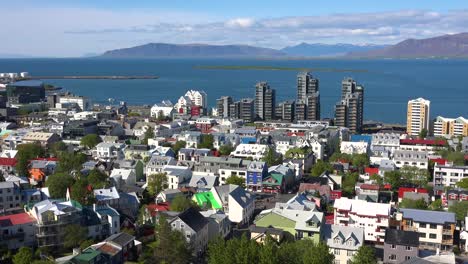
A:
(389, 84)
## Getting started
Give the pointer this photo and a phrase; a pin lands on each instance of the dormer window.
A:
(337, 240)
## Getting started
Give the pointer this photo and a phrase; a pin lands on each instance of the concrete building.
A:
(285, 111)
(349, 112)
(373, 217)
(417, 117)
(177, 176)
(450, 127)
(222, 106)
(343, 241)
(83, 103)
(436, 229)
(400, 246)
(418, 159)
(308, 95)
(198, 98)
(25, 92)
(254, 151)
(10, 196)
(17, 230)
(109, 151)
(448, 175)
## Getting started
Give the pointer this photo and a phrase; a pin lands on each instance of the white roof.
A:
(106, 194)
(123, 173)
(362, 207)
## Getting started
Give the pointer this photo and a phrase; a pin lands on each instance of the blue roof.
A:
(426, 216)
(361, 138)
(30, 83)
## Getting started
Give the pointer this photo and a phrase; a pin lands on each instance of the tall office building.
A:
(222, 106)
(349, 111)
(243, 109)
(234, 110)
(417, 116)
(308, 97)
(265, 101)
(285, 111)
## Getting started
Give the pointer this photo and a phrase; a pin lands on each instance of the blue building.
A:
(25, 92)
(257, 171)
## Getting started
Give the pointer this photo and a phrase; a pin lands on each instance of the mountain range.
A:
(452, 46)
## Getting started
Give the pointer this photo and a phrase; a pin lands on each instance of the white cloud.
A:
(70, 31)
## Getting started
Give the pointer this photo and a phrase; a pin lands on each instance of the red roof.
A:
(439, 161)
(46, 159)
(16, 219)
(155, 208)
(330, 219)
(8, 161)
(369, 187)
(466, 157)
(387, 186)
(371, 171)
(423, 142)
(296, 134)
(403, 190)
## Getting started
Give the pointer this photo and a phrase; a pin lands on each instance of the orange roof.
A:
(37, 174)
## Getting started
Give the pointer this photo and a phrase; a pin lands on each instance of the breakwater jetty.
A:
(92, 77)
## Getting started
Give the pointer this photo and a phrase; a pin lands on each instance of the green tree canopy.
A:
(394, 179)
(320, 167)
(24, 256)
(463, 183)
(423, 133)
(206, 141)
(58, 184)
(98, 179)
(26, 152)
(181, 203)
(79, 192)
(90, 141)
(377, 179)
(178, 145)
(348, 183)
(74, 235)
(296, 152)
(415, 175)
(460, 209)
(236, 180)
(58, 147)
(436, 205)
(149, 133)
(225, 150)
(69, 161)
(413, 204)
(364, 255)
(157, 183)
(271, 158)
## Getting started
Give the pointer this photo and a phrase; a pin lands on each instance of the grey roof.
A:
(29, 83)
(193, 218)
(242, 197)
(207, 181)
(330, 232)
(417, 260)
(416, 196)
(426, 216)
(402, 237)
(121, 239)
(266, 230)
(7, 184)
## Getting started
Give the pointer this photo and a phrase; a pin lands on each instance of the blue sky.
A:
(74, 28)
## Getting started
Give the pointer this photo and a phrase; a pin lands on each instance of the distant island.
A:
(274, 68)
(450, 46)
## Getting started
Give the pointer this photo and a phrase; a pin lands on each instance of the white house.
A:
(126, 176)
(349, 147)
(183, 105)
(373, 217)
(254, 151)
(165, 109)
(448, 175)
(238, 204)
(343, 241)
(109, 151)
(198, 98)
(177, 176)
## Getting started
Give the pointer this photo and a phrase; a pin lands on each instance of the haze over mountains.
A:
(328, 50)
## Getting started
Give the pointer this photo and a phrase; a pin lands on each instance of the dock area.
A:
(92, 77)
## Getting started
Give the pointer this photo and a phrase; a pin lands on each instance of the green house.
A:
(300, 224)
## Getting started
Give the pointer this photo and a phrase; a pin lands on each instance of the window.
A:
(392, 257)
(433, 226)
(350, 253)
(422, 235)
(407, 257)
(422, 225)
(336, 251)
(393, 246)
(408, 248)
(433, 236)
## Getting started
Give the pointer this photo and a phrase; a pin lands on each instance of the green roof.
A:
(276, 176)
(86, 256)
(207, 198)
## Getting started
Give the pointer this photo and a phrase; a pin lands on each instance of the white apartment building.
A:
(450, 127)
(83, 102)
(373, 217)
(418, 159)
(349, 147)
(448, 175)
(165, 108)
(417, 116)
(107, 151)
(254, 151)
(198, 98)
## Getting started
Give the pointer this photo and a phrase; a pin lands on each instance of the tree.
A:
(296, 153)
(463, 183)
(364, 255)
(149, 133)
(26, 152)
(320, 167)
(436, 205)
(157, 183)
(171, 246)
(225, 150)
(58, 147)
(318, 253)
(393, 178)
(423, 133)
(206, 141)
(413, 204)
(178, 145)
(87, 243)
(377, 179)
(460, 209)
(24, 256)
(236, 180)
(58, 184)
(348, 183)
(69, 162)
(74, 235)
(90, 141)
(98, 179)
(80, 192)
(414, 175)
(360, 161)
(181, 203)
